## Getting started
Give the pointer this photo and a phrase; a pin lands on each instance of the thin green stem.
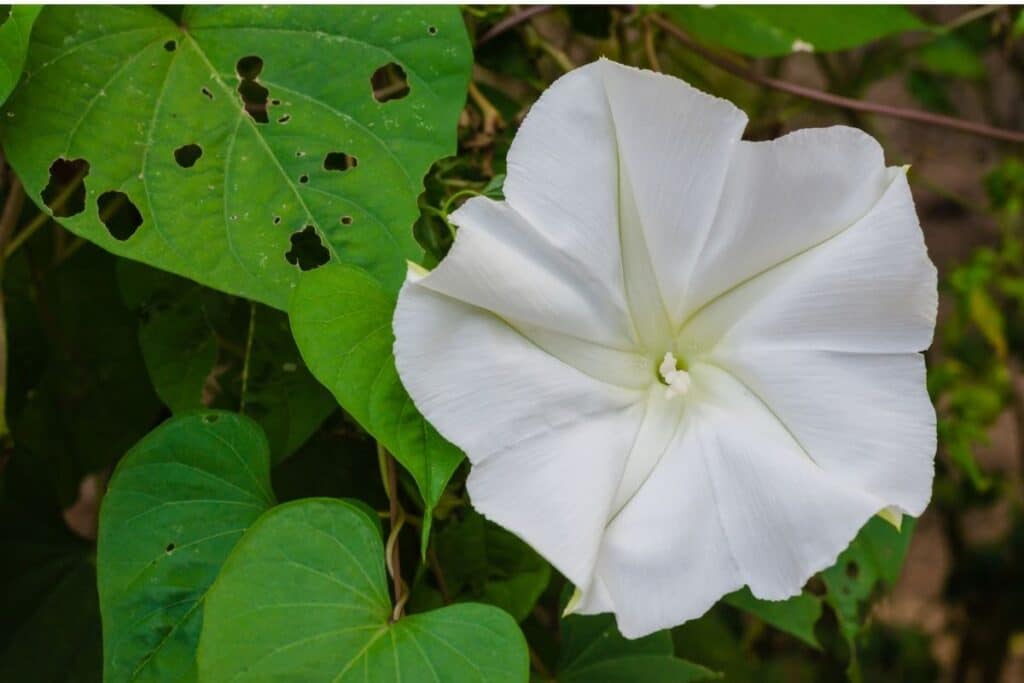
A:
(247, 361)
(11, 211)
(396, 514)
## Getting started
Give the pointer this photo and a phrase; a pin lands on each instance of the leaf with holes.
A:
(774, 30)
(15, 29)
(176, 506)
(874, 557)
(251, 143)
(341, 319)
(304, 597)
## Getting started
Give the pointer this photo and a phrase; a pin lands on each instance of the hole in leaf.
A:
(210, 419)
(249, 67)
(303, 179)
(171, 45)
(119, 214)
(299, 153)
(339, 161)
(188, 155)
(275, 102)
(254, 97)
(277, 220)
(206, 91)
(307, 251)
(285, 119)
(432, 30)
(852, 570)
(64, 194)
(346, 220)
(389, 82)
(170, 548)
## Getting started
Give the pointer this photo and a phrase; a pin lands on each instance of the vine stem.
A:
(971, 15)
(8, 219)
(511, 22)
(396, 515)
(42, 218)
(649, 47)
(815, 95)
(247, 361)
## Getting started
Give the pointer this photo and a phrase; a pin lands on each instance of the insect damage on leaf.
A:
(119, 214)
(64, 194)
(308, 250)
(389, 82)
(254, 96)
(339, 161)
(188, 155)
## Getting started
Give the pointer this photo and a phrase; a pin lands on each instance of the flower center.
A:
(673, 376)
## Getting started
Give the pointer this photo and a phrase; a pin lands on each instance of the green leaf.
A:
(287, 401)
(178, 345)
(15, 29)
(194, 342)
(874, 557)
(304, 597)
(176, 506)
(262, 200)
(776, 30)
(341, 319)
(951, 56)
(796, 616)
(594, 650)
(484, 563)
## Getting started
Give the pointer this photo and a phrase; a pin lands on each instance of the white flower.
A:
(678, 362)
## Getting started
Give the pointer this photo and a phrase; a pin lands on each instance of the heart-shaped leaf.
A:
(341, 319)
(15, 29)
(176, 506)
(304, 597)
(251, 142)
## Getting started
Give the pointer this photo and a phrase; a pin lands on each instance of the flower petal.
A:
(501, 264)
(734, 501)
(664, 558)
(782, 197)
(504, 264)
(866, 419)
(868, 288)
(546, 440)
(784, 517)
(612, 152)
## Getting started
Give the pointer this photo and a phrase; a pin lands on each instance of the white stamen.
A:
(678, 381)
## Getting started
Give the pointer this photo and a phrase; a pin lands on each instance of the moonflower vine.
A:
(680, 363)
